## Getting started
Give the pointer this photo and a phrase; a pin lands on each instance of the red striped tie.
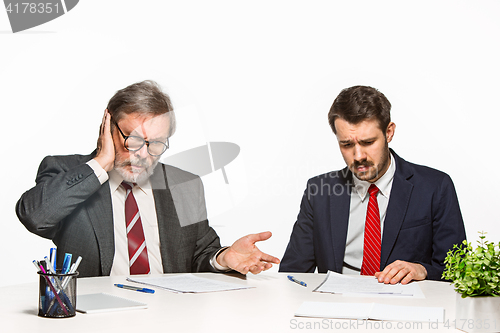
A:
(371, 248)
(137, 251)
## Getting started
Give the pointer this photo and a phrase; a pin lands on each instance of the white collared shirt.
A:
(143, 194)
(357, 215)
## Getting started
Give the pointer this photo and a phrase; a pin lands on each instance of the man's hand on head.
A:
(401, 271)
(105, 146)
(243, 256)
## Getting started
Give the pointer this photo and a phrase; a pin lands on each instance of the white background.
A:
(263, 75)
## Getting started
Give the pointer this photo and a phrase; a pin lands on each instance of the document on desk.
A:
(187, 283)
(376, 311)
(352, 285)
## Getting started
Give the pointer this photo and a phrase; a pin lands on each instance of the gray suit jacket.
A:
(69, 206)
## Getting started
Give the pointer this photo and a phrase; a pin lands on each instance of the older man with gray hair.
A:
(122, 210)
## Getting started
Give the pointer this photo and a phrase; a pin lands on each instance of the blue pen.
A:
(302, 283)
(66, 263)
(143, 290)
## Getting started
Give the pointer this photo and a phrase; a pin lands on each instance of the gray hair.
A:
(145, 98)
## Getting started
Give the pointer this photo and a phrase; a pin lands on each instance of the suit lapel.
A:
(397, 207)
(340, 201)
(101, 216)
(167, 218)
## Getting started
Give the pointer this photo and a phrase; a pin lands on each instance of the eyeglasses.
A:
(135, 143)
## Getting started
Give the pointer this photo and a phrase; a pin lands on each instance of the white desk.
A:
(269, 307)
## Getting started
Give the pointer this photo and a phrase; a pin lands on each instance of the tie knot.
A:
(127, 186)
(373, 190)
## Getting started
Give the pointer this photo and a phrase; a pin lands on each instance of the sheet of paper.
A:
(334, 310)
(374, 311)
(407, 313)
(360, 285)
(187, 283)
(102, 302)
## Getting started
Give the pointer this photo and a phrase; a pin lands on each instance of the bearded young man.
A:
(381, 215)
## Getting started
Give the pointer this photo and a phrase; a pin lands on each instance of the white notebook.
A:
(94, 303)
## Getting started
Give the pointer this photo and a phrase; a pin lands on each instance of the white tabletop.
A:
(269, 307)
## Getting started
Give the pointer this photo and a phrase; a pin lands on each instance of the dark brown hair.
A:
(145, 98)
(359, 103)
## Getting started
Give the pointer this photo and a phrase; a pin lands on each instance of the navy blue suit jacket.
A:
(422, 222)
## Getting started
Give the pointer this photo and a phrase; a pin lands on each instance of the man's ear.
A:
(389, 133)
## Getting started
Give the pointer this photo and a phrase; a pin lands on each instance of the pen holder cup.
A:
(57, 295)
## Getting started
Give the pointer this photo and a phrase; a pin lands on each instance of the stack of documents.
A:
(351, 285)
(354, 285)
(186, 283)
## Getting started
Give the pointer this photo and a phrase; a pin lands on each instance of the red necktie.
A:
(371, 248)
(137, 251)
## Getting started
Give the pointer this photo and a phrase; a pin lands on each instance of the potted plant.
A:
(475, 274)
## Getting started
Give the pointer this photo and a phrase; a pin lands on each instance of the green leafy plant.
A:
(474, 272)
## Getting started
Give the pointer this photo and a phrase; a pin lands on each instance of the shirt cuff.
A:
(215, 264)
(100, 173)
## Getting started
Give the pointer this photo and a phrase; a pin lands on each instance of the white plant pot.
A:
(477, 314)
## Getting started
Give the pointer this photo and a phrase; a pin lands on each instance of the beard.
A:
(366, 175)
(123, 167)
(374, 171)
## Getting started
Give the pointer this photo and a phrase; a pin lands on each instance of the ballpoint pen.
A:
(53, 258)
(72, 270)
(66, 263)
(143, 290)
(50, 267)
(302, 283)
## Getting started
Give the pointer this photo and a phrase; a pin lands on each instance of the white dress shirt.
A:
(143, 194)
(357, 216)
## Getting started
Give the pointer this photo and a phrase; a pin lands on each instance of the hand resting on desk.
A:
(401, 271)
